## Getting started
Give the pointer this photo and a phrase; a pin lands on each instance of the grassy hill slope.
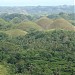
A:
(16, 32)
(28, 26)
(61, 24)
(44, 22)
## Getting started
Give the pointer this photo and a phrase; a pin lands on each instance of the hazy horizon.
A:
(36, 2)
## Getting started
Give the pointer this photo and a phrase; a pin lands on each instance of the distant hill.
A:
(37, 9)
(67, 16)
(44, 22)
(15, 32)
(61, 24)
(28, 26)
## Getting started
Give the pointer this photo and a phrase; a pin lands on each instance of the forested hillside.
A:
(37, 44)
(39, 53)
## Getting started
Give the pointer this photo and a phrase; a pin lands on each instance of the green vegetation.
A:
(3, 70)
(16, 32)
(40, 45)
(40, 53)
(4, 25)
(28, 26)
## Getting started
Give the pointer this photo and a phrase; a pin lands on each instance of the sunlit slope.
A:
(15, 32)
(3, 70)
(44, 22)
(27, 26)
(61, 24)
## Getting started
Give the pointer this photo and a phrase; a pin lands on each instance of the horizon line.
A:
(32, 5)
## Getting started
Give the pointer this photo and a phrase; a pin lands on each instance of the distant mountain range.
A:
(38, 9)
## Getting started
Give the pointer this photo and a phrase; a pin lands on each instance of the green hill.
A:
(16, 32)
(28, 26)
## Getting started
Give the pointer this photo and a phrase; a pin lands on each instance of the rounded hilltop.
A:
(29, 25)
(61, 24)
(15, 32)
(44, 22)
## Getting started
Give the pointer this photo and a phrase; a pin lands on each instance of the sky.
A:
(36, 2)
